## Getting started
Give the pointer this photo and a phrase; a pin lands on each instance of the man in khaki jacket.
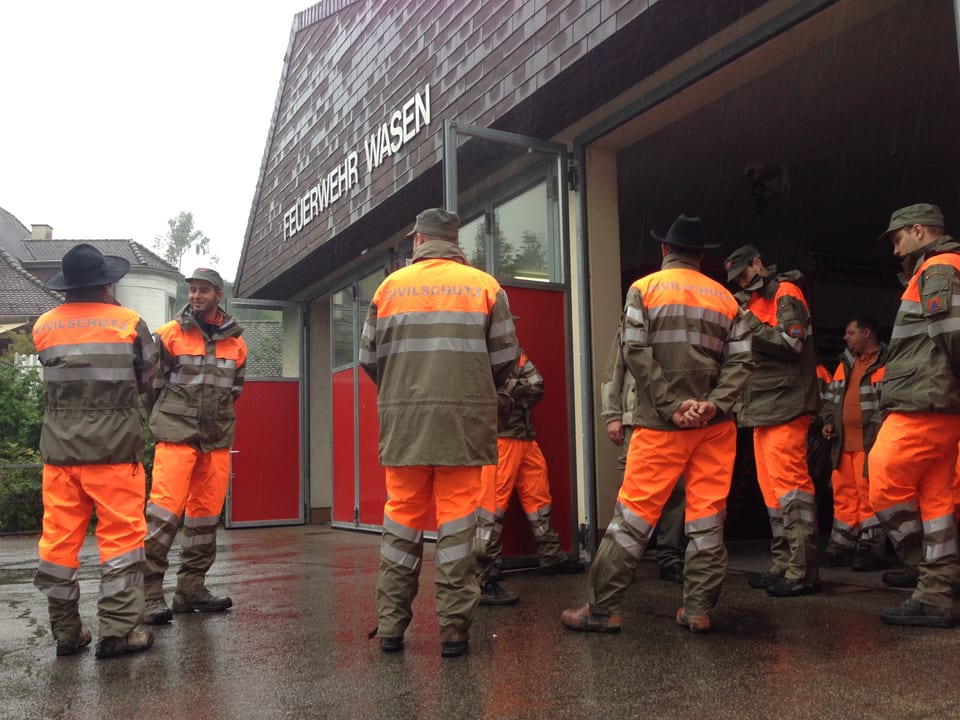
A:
(438, 340)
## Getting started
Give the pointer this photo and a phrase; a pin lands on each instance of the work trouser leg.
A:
(671, 543)
(873, 537)
(911, 476)
(172, 469)
(509, 457)
(655, 461)
(486, 524)
(533, 490)
(409, 493)
(709, 473)
(779, 547)
(208, 490)
(457, 491)
(118, 493)
(622, 455)
(66, 515)
(846, 508)
(784, 449)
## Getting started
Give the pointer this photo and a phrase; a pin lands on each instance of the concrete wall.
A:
(149, 293)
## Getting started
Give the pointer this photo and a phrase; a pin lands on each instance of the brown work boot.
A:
(134, 641)
(72, 647)
(201, 601)
(582, 620)
(156, 612)
(695, 623)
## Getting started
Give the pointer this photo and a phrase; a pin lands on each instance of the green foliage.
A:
(21, 418)
(21, 407)
(18, 341)
(21, 503)
(182, 236)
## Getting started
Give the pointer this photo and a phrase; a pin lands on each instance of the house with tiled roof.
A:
(28, 257)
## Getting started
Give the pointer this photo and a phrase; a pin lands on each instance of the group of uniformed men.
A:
(100, 364)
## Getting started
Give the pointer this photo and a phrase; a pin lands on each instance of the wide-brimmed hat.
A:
(687, 233)
(207, 275)
(738, 261)
(438, 223)
(919, 214)
(85, 266)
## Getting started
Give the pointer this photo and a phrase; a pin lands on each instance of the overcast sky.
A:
(118, 115)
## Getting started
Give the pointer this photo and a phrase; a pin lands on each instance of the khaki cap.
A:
(738, 260)
(208, 275)
(919, 214)
(438, 223)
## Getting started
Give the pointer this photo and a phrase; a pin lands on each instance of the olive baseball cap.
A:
(738, 260)
(209, 275)
(437, 222)
(919, 214)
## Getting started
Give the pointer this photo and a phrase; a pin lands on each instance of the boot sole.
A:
(923, 621)
(500, 603)
(158, 618)
(219, 607)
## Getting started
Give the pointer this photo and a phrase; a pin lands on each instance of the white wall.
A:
(149, 293)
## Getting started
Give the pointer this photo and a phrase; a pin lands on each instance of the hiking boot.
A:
(582, 620)
(867, 562)
(493, 594)
(791, 588)
(762, 580)
(201, 601)
(72, 647)
(134, 641)
(453, 648)
(672, 573)
(920, 614)
(391, 644)
(564, 567)
(695, 623)
(900, 578)
(156, 612)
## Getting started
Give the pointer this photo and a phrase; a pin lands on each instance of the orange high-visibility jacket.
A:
(97, 360)
(684, 338)
(923, 368)
(522, 390)
(438, 340)
(832, 412)
(783, 385)
(199, 379)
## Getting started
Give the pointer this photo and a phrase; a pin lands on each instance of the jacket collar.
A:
(228, 328)
(915, 259)
(434, 249)
(673, 260)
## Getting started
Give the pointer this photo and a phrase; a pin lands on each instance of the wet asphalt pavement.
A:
(295, 646)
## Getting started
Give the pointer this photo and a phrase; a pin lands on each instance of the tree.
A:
(182, 236)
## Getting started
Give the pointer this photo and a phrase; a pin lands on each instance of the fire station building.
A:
(563, 132)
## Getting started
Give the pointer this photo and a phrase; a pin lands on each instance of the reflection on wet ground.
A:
(295, 646)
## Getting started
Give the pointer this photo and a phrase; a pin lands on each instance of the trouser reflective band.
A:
(800, 527)
(455, 576)
(57, 581)
(842, 536)
(120, 605)
(401, 550)
(940, 538)
(198, 551)
(548, 541)
(161, 530)
(617, 559)
(705, 563)
(671, 544)
(485, 525)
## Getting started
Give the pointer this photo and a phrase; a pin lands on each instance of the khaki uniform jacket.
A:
(784, 384)
(438, 340)
(618, 389)
(832, 412)
(98, 365)
(684, 337)
(515, 398)
(200, 378)
(923, 366)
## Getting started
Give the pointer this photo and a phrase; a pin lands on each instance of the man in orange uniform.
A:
(520, 465)
(913, 459)
(688, 347)
(438, 341)
(779, 403)
(98, 359)
(851, 420)
(202, 365)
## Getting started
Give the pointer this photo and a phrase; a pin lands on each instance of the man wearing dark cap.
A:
(912, 461)
(779, 403)
(202, 365)
(438, 340)
(688, 348)
(98, 361)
